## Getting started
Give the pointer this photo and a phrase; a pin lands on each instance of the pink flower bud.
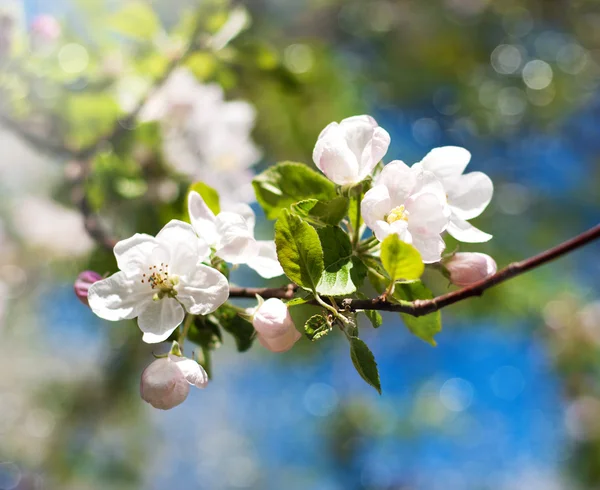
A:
(468, 268)
(46, 28)
(82, 284)
(166, 382)
(274, 326)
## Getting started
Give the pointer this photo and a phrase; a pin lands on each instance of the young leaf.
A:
(424, 327)
(401, 260)
(337, 255)
(284, 184)
(135, 19)
(322, 212)
(210, 196)
(299, 301)
(364, 362)
(242, 330)
(316, 327)
(299, 250)
(374, 317)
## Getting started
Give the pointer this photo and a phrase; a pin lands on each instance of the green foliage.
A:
(401, 260)
(316, 327)
(336, 279)
(374, 317)
(206, 332)
(424, 327)
(136, 19)
(242, 330)
(210, 196)
(299, 301)
(299, 250)
(287, 183)
(322, 213)
(364, 362)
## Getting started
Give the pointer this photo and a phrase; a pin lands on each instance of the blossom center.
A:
(396, 214)
(161, 281)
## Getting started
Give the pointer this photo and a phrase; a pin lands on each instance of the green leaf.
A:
(284, 184)
(364, 362)
(322, 212)
(424, 327)
(358, 272)
(374, 317)
(135, 19)
(337, 258)
(299, 250)
(242, 330)
(401, 260)
(210, 196)
(205, 332)
(299, 301)
(316, 327)
(378, 277)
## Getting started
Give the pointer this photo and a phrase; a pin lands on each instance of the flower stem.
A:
(357, 226)
(187, 323)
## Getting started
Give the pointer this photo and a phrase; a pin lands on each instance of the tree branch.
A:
(424, 307)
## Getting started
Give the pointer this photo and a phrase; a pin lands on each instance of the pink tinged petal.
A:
(132, 254)
(202, 219)
(119, 297)
(236, 242)
(193, 373)
(430, 247)
(466, 232)
(446, 161)
(163, 384)
(375, 205)
(334, 158)
(280, 344)
(272, 319)
(468, 268)
(202, 290)
(160, 319)
(470, 194)
(367, 141)
(400, 181)
(266, 262)
(82, 284)
(426, 215)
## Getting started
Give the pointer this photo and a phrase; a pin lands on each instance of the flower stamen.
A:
(396, 214)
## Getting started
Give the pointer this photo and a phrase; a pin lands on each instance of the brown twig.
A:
(424, 307)
(285, 292)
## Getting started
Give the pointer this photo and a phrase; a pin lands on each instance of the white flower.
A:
(348, 152)
(158, 278)
(231, 234)
(274, 326)
(411, 204)
(166, 382)
(467, 268)
(468, 194)
(206, 137)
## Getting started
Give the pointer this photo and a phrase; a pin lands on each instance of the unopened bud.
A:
(166, 382)
(83, 283)
(274, 326)
(468, 268)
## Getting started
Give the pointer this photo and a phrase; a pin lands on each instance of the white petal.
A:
(203, 290)
(400, 181)
(400, 228)
(132, 254)
(333, 157)
(427, 182)
(430, 247)
(183, 246)
(469, 194)
(159, 319)
(282, 343)
(381, 229)
(447, 161)
(375, 205)
(426, 215)
(266, 262)
(236, 242)
(191, 370)
(244, 211)
(119, 297)
(466, 232)
(202, 219)
(367, 141)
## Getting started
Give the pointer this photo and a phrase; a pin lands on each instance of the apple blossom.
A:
(468, 194)
(274, 326)
(411, 204)
(45, 28)
(466, 268)
(82, 284)
(231, 234)
(347, 152)
(159, 279)
(166, 382)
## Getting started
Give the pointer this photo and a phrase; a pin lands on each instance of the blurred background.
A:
(110, 108)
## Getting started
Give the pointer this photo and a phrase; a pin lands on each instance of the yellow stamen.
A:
(398, 213)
